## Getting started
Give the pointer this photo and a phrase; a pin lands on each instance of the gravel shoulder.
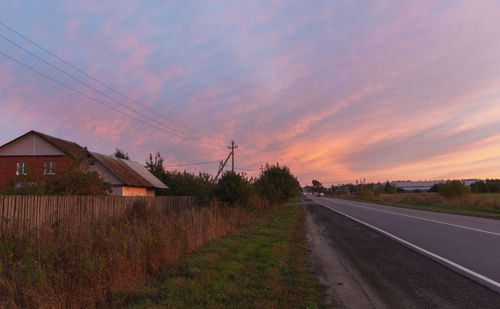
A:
(365, 269)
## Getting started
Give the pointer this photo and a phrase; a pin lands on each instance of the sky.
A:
(335, 90)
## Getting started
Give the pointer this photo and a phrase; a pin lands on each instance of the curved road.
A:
(468, 245)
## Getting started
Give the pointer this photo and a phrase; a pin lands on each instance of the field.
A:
(260, 266)
(480, 204)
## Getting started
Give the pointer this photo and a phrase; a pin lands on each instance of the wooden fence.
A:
(34, 212)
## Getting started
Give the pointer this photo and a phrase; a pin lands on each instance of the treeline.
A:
(486, 186)
(448, 189)
(276, 183)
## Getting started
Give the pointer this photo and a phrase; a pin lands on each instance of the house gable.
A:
(30, 144)
(106, 174)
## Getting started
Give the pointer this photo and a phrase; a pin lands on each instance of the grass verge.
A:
(474, 205)
(456, 209)
(260, 266)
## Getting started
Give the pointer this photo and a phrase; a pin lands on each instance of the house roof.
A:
(72, 149)
(131, 173)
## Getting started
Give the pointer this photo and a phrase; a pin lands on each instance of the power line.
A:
(105, 85)
(196, 163)
(245, 169)
(85, 95)
(96, 90)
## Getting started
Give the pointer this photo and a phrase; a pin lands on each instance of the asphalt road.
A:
(467, 245)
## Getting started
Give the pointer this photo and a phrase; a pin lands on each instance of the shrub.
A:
(73, 178)
(435, 187)
(389, 188)
(277, 184)
(180, 183)
(454, 188)
(366, 191)
(233, 188)
(379, 190)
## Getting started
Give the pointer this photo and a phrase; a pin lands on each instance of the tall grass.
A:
(59, 267)
(472, 202)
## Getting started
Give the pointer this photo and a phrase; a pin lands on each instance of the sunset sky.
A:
(336, 90)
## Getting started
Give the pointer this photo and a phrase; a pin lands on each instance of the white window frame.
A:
(22, 168)
(49, 168)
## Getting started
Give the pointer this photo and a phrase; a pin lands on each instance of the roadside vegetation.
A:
(452, 196)
(62, 267)
(260, 266)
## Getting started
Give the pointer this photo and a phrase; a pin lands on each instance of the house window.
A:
(49, 168)
(22, 168)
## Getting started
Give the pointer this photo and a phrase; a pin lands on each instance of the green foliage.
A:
(155, 166)
(184, 183)
(366, 191)
(233, 188)
(435, 187)
(318, 186)
(454, 188)
(74, 178)
(379, 189)
(389, 188)
(180, 183)
(486, 186)
(121, 154)
(277, 184)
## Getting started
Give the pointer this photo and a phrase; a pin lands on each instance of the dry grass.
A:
(474, 203)
(63, 268)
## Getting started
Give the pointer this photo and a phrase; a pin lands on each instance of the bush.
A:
(366, 191)
(454, 188)
(435, 187)
(180, 183)
(233, 188)
(389, 188)
(75, 178)
(277, 184)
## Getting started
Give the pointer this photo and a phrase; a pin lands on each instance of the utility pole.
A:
(232, 147)
(223, 162)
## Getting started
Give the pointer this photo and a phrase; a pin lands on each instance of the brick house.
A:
(42, 155)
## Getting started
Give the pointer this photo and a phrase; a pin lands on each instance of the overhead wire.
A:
(87, 96)
(106, 85)
(196, 163)
(98, 91)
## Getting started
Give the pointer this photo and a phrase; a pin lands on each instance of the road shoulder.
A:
(377, 265)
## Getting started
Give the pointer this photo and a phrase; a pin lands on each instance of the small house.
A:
(43, 154)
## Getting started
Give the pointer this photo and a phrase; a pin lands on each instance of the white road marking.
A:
(422, 250)
(424, 219)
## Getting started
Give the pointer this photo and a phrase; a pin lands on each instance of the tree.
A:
(389, 188)
(155, 166)
(435, 187)
(121, 154)
(454, 188)
(318, 186)
(233, 188)
(277, 184)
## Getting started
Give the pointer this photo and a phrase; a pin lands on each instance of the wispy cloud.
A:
(337, 90)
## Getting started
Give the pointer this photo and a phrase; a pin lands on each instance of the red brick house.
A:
(42, 155)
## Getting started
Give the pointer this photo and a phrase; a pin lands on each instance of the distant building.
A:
(411, 186)
(44, 154)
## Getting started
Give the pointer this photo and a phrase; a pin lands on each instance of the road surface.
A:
(468, 245)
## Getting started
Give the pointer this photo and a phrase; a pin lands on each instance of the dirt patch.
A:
(377, 272)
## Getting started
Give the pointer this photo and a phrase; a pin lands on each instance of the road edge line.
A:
(423, 219)
(483, 280)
